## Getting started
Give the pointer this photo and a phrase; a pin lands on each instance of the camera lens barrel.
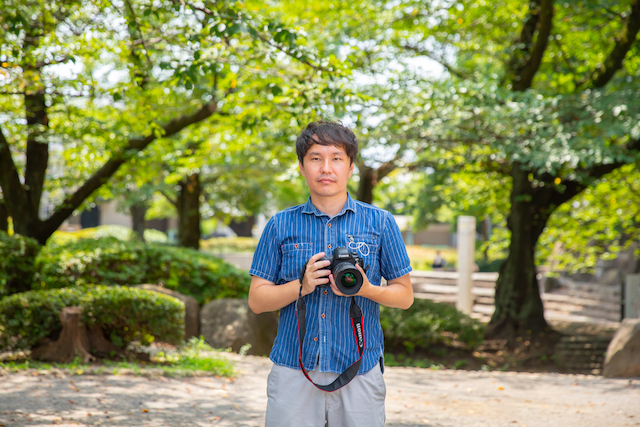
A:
(348, 278)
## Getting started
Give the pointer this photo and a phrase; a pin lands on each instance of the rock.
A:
(550, 283)
(623, 353)
(229, 323)
(191, 307)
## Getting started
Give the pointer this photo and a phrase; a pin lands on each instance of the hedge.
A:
(427, 323)
(120, 232)
(17, 259)
(124, 314)
(110, 261)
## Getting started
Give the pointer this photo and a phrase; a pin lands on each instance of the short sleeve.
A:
(267, 257)
(394, 261)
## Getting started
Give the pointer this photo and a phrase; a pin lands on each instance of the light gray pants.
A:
(295, 402)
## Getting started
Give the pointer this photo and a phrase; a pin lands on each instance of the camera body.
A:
(343, 267)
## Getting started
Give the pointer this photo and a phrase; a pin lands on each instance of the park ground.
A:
(415, 397)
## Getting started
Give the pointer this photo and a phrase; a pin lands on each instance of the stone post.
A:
(632, 297)
(466, 262)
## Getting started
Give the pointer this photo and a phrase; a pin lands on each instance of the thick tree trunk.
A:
(189, 212)
(367, 183)
(4, 217)
(518, 307)
(243, 228)
(138, 212)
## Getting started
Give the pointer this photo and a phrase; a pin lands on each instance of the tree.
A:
(102, 82)
(542, 93)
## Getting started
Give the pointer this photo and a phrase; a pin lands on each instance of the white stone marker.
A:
(466, 262)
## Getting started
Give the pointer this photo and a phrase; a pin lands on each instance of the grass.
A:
(195, 358)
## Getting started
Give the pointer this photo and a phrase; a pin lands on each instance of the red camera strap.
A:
(357, 322)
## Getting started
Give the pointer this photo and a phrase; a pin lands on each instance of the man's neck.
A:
(330, 205)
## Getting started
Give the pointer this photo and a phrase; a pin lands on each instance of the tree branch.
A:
(605, 70)
(171, 200)
(440, 61)
(262, 38)
(134, 146)
(12, 189)
(526, 61)
(41, 64)
(572, 187)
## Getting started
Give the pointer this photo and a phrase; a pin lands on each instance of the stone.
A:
(550, 283)
(191, 309)
(623, 353)
(230, 323)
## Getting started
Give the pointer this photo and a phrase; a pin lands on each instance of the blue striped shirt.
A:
(289, 239)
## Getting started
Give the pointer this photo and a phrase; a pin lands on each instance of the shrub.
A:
(225, 245)
(120, 232)
(109, 261)
(17, 263)
(124, 314)
(427, 323)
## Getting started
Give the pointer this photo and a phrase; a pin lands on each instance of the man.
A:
(288, 270)
(438, 262)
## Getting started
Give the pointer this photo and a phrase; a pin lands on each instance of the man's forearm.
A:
(398, 293)
(266, 296)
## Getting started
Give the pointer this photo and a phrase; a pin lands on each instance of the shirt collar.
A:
(350, 205)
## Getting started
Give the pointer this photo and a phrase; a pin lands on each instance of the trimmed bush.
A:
(427, 323)
(17, 263)
(226, 245)
(110, 261)
(124, 314)
(120, 232)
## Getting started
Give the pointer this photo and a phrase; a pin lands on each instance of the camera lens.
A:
(348, 279)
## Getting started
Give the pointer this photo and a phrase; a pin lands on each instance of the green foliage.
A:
(120, 232)
(17, 259)
(225, 245)
(595, 225)
(109, 261)
(124, 315)
(196, 355)
(427, 323)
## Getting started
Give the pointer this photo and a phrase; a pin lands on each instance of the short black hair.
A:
(327, 133)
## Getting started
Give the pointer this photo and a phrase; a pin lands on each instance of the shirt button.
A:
(329, 225)
(326, 292)
(315, 338)
(329, 246)
(323, 315)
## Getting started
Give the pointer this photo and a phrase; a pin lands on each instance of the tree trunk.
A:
(518, 307)
(138, 212)
(366, 184)
(73, 340)
(189, 212)
(76, 341)
(243, 228)
(4, 217)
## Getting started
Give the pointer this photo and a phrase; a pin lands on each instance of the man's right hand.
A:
(314, 274)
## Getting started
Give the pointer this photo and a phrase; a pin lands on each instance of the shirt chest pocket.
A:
(367, 247)
(294, 257)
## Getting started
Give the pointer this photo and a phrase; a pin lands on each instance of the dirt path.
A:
(415, 397)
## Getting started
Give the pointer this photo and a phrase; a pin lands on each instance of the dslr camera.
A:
(343, 267)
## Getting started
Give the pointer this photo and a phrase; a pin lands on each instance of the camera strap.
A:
(358, 331)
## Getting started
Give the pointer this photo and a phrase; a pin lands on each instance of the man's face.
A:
(327, 169)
